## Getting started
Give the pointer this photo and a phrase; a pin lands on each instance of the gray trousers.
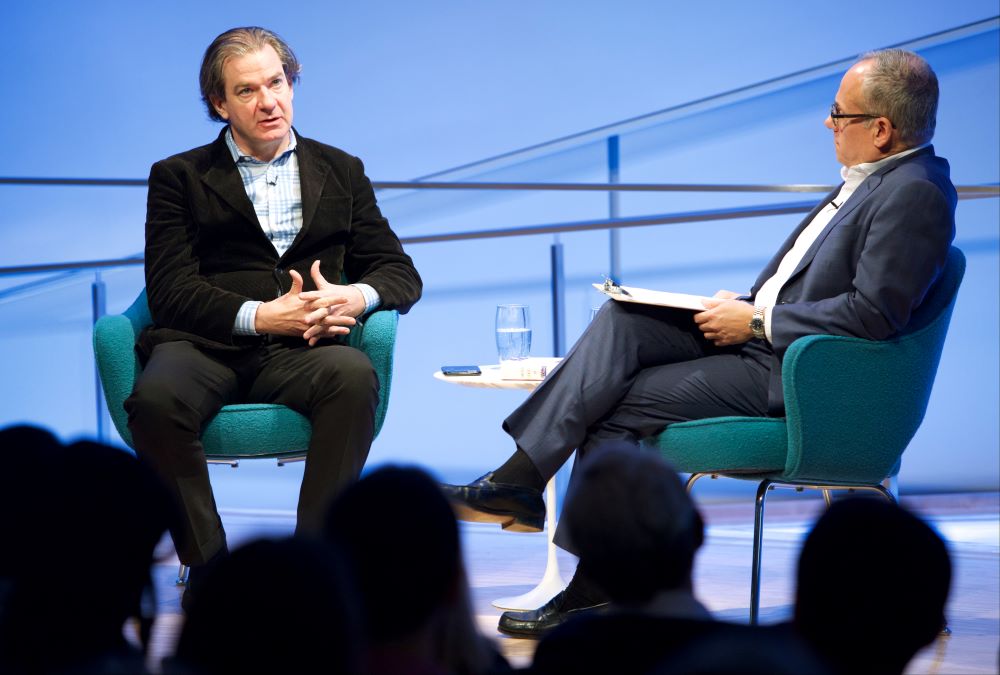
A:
(636, 369)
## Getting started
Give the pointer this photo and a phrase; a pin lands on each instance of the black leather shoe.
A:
(516, 508)
(196, 579)
(192, 587)
(538, 622)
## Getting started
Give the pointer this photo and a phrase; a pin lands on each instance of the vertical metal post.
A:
(558, 299)
(98, 304)
(614, 210)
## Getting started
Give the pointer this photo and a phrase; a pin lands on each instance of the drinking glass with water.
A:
(513, 332)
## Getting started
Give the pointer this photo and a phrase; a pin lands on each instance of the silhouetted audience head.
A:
(400, 536)
(760, 650)
(872, 584)
(273, 606)
(31, 459)
(633, 524)
(92, 517)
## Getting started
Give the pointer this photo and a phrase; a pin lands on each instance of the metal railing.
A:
(614, 223)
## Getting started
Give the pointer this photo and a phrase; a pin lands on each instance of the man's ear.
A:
(220, 106)
(883, 134)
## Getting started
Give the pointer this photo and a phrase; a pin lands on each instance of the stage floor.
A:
(503, 564)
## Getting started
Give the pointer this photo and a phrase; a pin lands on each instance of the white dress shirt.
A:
(853, 176)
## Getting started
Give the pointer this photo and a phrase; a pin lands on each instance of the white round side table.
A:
(552, 581)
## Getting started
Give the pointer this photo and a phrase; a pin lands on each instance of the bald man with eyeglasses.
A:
(858, 265)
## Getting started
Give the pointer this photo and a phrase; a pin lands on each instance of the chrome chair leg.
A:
(892, 485)
(758, 544)
(693, 478)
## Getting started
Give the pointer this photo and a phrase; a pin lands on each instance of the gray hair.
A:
(240, 42)
(901, 86)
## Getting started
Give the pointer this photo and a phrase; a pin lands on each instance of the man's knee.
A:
(155, 402)
(180, 386)
(618, 317)
(350, 372)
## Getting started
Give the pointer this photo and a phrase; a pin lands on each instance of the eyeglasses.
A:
(835, 115)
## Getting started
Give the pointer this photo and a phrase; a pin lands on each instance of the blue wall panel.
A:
(415, 89)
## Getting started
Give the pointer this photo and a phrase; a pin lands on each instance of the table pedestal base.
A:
(552, 581)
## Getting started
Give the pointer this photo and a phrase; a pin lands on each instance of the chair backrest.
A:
(853, 405)
(117, 363)
(138, 313)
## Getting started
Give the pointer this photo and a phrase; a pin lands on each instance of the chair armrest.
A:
(377, 339)
(117, 365)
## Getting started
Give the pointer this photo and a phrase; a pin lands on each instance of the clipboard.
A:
(646, 296)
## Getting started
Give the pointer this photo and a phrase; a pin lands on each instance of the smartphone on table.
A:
(452, 371)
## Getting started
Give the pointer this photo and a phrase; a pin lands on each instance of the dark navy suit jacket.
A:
(872, 264)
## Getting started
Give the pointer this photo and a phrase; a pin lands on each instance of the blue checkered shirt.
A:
(275, 192)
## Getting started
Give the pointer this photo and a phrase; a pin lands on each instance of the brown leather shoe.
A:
(516, 508)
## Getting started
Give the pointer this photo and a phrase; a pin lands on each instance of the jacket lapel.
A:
(865, 190)
(313, 171)
(860, 194)
(224, 179)
(772, 265)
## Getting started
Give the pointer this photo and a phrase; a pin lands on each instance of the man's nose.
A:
(266, 99)
(828, 123)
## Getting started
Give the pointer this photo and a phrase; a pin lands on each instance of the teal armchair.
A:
(240, 431)
(852, 406)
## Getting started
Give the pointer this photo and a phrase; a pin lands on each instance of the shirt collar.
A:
(239, 156)
(857, 173)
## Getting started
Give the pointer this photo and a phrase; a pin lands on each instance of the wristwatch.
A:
(757, 323)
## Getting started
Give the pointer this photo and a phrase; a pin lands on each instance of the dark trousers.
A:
(181, 388)
(636, 369)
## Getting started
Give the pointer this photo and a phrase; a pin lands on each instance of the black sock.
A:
(519, 470)
(582, 592)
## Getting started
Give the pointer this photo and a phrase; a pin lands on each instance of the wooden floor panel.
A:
(503, 564)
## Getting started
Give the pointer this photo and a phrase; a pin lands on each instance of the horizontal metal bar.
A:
(599, 187)
(81, 182)
(613, 223)
(234, 463)
(59, 267)
(524, 230)
(473, 185)
(463, 185)
(578, 226)
(282, 461)
(38, 285)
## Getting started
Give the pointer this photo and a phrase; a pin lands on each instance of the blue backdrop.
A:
(107, 88)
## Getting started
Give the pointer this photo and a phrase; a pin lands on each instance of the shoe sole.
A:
(507, 521)
(534, 635)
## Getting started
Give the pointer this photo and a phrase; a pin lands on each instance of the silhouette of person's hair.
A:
(765, 650)
(273, 606)
(635, 528)
(400, 536)
(637, 531)
(873, 580)
(31, 459)
(92, 517)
